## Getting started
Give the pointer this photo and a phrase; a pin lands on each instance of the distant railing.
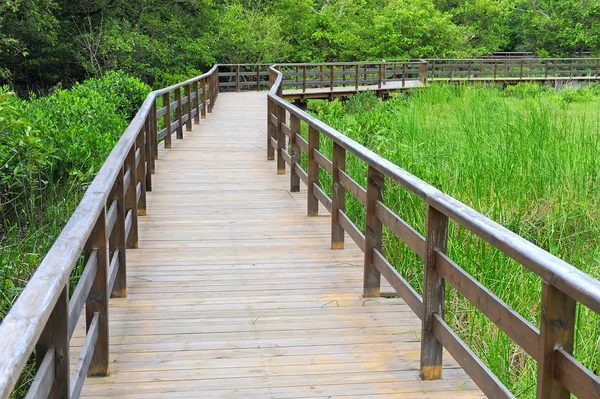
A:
(559, 373)
(344, 78)
(102, 226)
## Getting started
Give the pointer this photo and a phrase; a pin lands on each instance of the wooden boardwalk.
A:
(343, 91)
(234, 292)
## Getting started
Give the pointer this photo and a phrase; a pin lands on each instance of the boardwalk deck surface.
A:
(234, 292)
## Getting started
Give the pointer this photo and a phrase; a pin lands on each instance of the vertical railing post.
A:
(379, 77)
(313, 172)
(167, 103)
(55, 335)
(131, 199)
(237, 78)
(521, 71)
(495, 69)
(97, 300)
(434, 289)
(295, 154)
(338, 196)
(597, 68)
(404, 74)
(179, 113)
(188, 108)
(154, 127)
(321, 75)
(571, 70)
(117, 241)
(196, 103)
(280, 138)
(297, 74)
(271, 129)
(141, 172)
(356, 77)
(257, 77)
(203, 98)
(373, 234)
(331, 77)
(304, 79)
(557, 330)
(148, 153)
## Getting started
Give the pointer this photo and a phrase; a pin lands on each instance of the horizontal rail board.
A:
(477, 370)
(322, 161)
(113, 270)
(286, 156)
(301, 173)
(44, 378)
(286, 130)
(85, 357)
(357, 236)
(302, 143)
(400, 228)
(128, 222)
(353, 187)
(509, 321)
(402, 287)
(111, 217)
(82, 290)
(322, 196)
(575, 377)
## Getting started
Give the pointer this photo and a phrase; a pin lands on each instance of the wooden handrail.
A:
(563, 284)
(102, 225)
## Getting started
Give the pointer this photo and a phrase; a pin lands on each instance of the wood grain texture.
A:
(235, 292)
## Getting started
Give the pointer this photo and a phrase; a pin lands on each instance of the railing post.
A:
(257, 77)
(295, 154)
(117, 241)
(188, 108)
(373, 233)
(97, 300)
(55, 335)
(197, 103)
(597, 68)
(237, 78)
(280, 140)
(521, 73)
(331, 77)
(434, 289)
(356, 77)
(338, 196)
(271, 129)
(178, 113)
(495, 69)
(571, 70)
(167, 103)
(131, 199)
(148, 153)
(313, 172)
(403, 74)
(304, 79)
(321, 75)
(141, 173)
(557, 330)
(546, 71)
(379, 77)
(203, 88)
(154, 127)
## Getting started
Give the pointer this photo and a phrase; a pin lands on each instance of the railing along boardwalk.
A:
(234, 292)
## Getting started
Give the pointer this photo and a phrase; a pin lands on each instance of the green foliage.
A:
(515, 154)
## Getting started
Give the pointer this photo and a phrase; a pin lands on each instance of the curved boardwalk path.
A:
(235, 293)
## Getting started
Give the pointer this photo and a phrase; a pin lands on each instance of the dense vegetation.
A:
(50, 148)
(526, 156)
(48, 42)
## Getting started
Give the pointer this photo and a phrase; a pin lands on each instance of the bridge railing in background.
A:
(514, 69)
(243, 77)
(563, 285)
(102, 226)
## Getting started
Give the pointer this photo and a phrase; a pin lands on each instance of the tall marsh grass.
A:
(528, 157)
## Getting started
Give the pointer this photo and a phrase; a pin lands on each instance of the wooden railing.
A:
(514, 69)
(379, 75)
(563, 285)
(102, 226)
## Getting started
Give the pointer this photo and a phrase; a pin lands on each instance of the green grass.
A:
(528, 157)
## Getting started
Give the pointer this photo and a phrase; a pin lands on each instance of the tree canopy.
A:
(48, 42)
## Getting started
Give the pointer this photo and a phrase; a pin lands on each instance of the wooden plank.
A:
(557, 331)
(113, 270)
(313, 172)
(400, 228)
(575, 377)
(353, 187)
(294, 153)
(434, 295)
(357, 236)
(322, 196)
(322, 161)
(44, 377)
(373, 234)
(513, 324)
(82, 290)
(85, 358)
(477, 370)
(402, 287)
(338, 196)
